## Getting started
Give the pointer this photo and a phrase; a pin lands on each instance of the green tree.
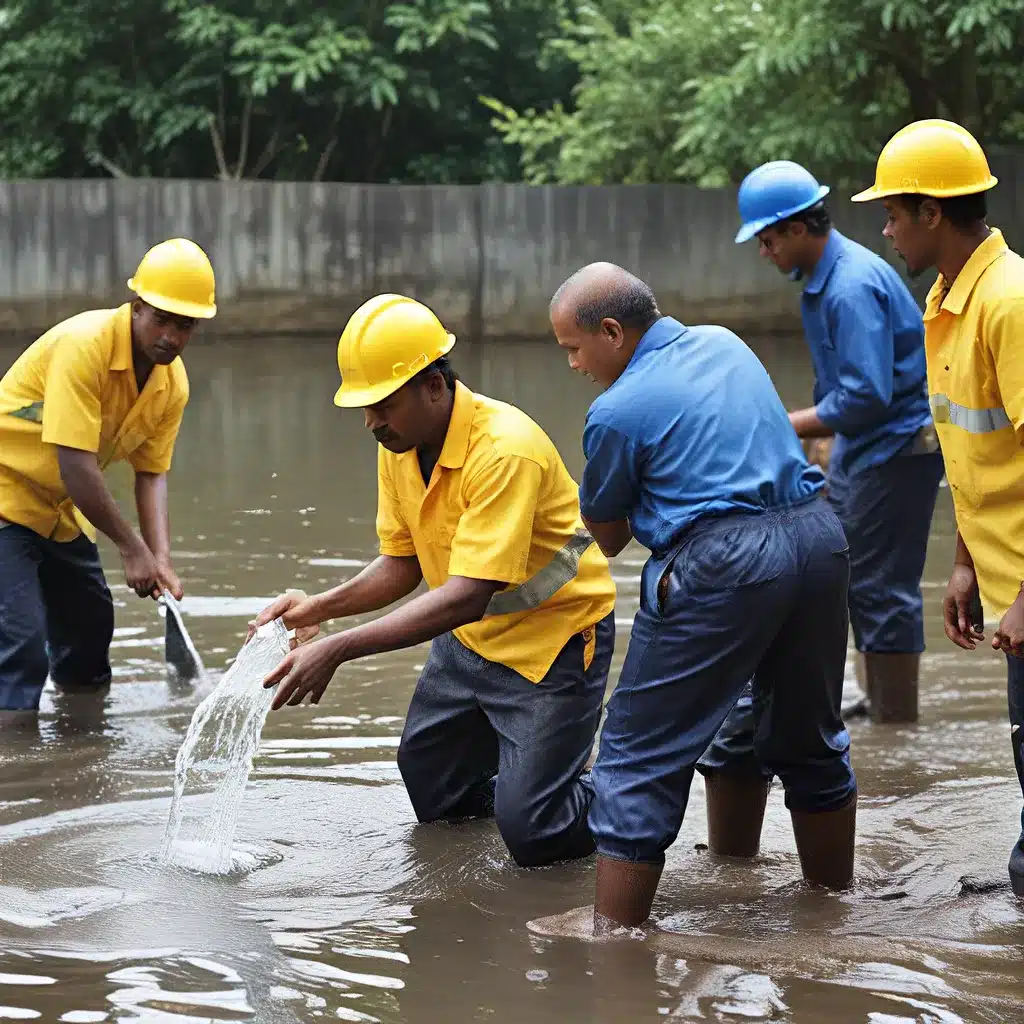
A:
(289, 88)
(703, 90)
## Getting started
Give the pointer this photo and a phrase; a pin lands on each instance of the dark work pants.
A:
(56, 617)
(886, 513)
(480, 739)
(1015, 693)
(747, 596)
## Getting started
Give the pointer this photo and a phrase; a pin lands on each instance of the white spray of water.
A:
(216, 757)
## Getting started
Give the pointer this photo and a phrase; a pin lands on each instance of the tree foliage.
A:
(703, 90)
(576, 91)
(296, 89)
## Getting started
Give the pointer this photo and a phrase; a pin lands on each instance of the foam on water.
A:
(213, 764)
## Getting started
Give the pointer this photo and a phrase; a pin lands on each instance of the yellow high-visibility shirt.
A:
(974, 341)
(500, 506)
(75, 387)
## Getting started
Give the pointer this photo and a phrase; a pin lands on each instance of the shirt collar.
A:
(456, 441)
(956, 298)
(661, 333)
(121, 359)
(822, 269)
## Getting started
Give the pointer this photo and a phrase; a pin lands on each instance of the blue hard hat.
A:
(773, 192)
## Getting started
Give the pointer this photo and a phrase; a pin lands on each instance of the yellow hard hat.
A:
(176, 276)
(930, 158)
(386, 342)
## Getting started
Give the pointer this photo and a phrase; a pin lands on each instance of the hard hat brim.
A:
(196, 310)
(360, 398)
(755, 227)
(934, 193)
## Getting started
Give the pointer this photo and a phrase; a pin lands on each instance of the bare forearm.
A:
(151, 502)
(807, 423)
(88, 490)
(611, 537)
(384, 581)
(962, 556)
(459, 602)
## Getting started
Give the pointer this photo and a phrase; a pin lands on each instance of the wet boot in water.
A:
(890, 682)
(1017, 868)
(624, 893)
(824, 840)
(736, 804)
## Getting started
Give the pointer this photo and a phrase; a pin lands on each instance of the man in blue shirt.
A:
(689, 451)
(866, 339)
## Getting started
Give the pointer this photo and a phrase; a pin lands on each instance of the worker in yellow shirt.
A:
(473, 498)
(933, 178)
(100, 387)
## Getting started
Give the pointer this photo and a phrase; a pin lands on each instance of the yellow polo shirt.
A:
(974, 340)
(500, 506)
(75, 387)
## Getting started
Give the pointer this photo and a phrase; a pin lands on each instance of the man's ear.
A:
(612, 330)
(929, 213)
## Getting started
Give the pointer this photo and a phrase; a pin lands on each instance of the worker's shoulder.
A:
(1002, 282)
(863, 269)
(94, 327)
(503, 430)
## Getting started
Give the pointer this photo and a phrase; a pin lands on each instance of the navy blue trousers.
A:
(757, 597)
(1015, 693)
(886, 512)
(56, 617)
(480, 739)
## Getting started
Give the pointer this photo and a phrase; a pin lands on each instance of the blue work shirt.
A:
(866, 338)
(693, 426)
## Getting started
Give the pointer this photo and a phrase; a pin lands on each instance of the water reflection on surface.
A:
(339, 907)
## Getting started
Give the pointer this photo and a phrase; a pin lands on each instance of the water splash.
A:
(216, 757)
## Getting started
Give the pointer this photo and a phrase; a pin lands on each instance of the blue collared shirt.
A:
(866, 338)
(693, 426)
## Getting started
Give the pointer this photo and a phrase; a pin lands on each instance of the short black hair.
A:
(632, 304)
(816, 219)
(963, 212)
(442, 366)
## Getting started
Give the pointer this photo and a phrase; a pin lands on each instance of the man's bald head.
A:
(604, 291)
(599, 316)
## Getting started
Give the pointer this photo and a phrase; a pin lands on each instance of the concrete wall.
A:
(295, 257)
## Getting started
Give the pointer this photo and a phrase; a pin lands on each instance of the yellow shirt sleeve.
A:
(495, 532)
(72, 413)
(1005, 329)
(154, 455)
(392, 529)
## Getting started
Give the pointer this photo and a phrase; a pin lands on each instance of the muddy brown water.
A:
(342, 908)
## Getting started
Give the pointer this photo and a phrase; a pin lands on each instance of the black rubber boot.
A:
(824, 840)
(736, 804)
(624, 893)
(891, 683)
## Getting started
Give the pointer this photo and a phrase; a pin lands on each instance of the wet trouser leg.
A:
(759, 597)
(471, 720)
(886, 512)
(1015, 692)
(56, 616)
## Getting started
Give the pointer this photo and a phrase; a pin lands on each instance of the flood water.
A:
(340, 907)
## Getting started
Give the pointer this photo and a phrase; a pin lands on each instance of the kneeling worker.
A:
(101, 387)
(690, 451)
(474, 498)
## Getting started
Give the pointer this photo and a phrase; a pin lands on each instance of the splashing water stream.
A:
(216, 757)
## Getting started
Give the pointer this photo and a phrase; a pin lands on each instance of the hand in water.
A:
(956, 608)
(141, 572)
(307, 670)
(295, 609)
